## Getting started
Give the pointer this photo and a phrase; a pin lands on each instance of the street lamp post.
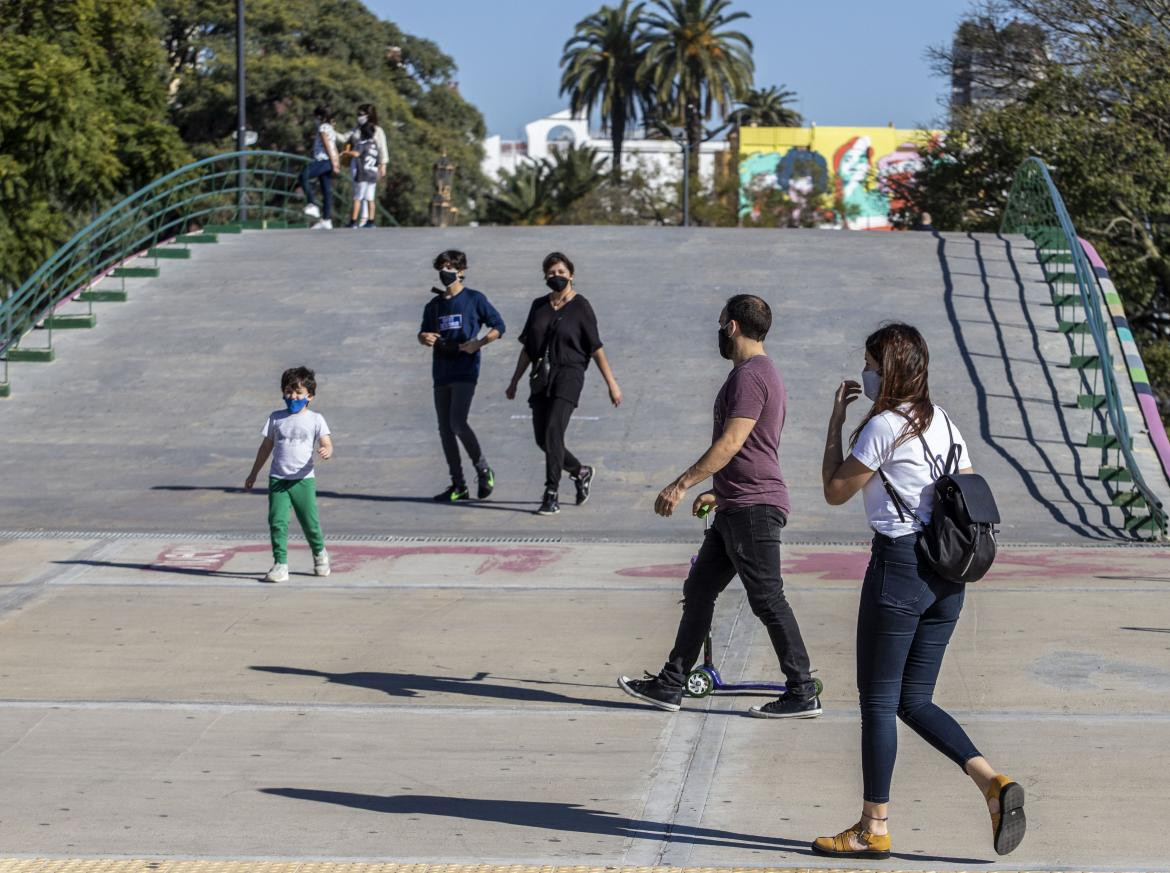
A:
(241, 124)
(441, 210)
(679, 135)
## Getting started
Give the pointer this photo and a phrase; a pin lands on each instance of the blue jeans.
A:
(744, 541)
(905, 621)
(322, 171)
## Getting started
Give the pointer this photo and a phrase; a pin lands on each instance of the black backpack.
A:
(959, 542)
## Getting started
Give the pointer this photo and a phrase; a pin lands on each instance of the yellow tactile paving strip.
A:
(78, 865)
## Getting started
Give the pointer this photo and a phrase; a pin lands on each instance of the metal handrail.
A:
(221, 189)
(1036, 209)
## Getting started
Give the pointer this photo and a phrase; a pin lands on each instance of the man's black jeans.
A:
(744, 541)
(452, 406)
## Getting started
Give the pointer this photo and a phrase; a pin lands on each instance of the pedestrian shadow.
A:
(158, 568)
(520, 506)
(1149, 630)
(414, 684)
(565, 818)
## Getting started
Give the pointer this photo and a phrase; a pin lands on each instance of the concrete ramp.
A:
(150, 421)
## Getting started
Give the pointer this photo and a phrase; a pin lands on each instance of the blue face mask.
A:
(296, 405)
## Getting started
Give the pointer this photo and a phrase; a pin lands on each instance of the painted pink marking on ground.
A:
(657, 571)
(344, 558)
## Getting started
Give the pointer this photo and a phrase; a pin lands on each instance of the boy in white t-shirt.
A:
(289, 436)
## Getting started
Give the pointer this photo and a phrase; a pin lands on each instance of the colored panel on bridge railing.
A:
(1133, 358)
(860, 163)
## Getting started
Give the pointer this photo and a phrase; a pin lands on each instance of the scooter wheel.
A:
(699, 683)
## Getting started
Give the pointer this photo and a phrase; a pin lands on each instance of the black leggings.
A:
(550, 420)
(452, 406)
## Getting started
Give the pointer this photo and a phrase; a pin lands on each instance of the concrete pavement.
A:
(454, 703)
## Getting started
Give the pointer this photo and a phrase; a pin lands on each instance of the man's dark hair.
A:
(369, 109)
(752, 313)
(454, 257)
(323, 112)
(299, 377)
(554, 258)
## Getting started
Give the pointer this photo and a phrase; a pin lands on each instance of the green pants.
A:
(301, 494)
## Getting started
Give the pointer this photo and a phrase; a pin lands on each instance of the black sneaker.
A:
(353, 223)
(486, 480)
(453, 494)
(652, 691)
(583, 481)
(788, 706)
(549, 506)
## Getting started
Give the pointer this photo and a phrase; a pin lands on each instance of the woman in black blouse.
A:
(561, 330)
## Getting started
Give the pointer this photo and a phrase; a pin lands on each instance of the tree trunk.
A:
(617, 134)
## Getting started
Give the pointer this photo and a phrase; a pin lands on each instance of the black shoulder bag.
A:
(959, 542)
(540, 376)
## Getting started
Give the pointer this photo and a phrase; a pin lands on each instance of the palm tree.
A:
(695, 65)
(767, 107)
(601, 66)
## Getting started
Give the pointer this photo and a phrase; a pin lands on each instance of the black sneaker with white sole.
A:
(549, 505)
(788, 705)
(583, 481)
(652, 691)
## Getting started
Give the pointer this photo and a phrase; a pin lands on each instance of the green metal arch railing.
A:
(250, 188)
(1036, 210)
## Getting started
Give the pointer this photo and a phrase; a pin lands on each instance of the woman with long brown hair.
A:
(907, 612)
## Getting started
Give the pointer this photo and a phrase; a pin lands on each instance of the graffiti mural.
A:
(856, 169)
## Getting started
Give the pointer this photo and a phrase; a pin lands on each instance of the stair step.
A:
(1056, 257)
(1066, 299)
(1085, 362)
(197, 238)
(1139, 523)
(1104, 441)
(71, 322)
(42, 356)
(5, 389)
(1114, 474)
(1129, 500)
(104, 295)
(1091, 401)
(135, 272)
(174, 254)
(1068, 327)
(1062, 276)
(223, 228)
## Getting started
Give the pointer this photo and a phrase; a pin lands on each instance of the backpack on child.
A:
(959, 541)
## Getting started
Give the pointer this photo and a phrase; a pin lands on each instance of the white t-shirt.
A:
(325, 134)
(907, 467)
(294, 436)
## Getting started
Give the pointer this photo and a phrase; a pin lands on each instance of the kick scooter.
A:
(705, 680)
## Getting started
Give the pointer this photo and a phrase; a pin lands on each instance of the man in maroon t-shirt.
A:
(753, 505)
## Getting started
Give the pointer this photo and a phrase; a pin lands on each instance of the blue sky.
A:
(849, 61)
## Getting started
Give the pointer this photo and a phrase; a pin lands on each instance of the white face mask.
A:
(871, 384)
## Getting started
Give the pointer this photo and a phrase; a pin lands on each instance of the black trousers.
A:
(744, 541)
(452, 406)
(550, 420)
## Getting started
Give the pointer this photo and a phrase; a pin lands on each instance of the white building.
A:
(660, 158)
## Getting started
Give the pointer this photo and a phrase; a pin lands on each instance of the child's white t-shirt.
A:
(294, 436)
(907, 467)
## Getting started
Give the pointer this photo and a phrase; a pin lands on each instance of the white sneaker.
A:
(313, 210)
(278, 573)
(323, 224)
(321, 564)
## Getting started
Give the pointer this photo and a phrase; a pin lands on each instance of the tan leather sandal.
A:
(1007, 825)
(842, 845)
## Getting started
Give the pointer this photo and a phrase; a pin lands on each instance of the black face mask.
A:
(724, 343)
(557, 283)
(448, 277)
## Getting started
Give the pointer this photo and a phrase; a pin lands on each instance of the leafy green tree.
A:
(545, 191)
(82, 120)
(767, 107)
(302, 53)
(696, 65)
(602, 65)
(1094, 106)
